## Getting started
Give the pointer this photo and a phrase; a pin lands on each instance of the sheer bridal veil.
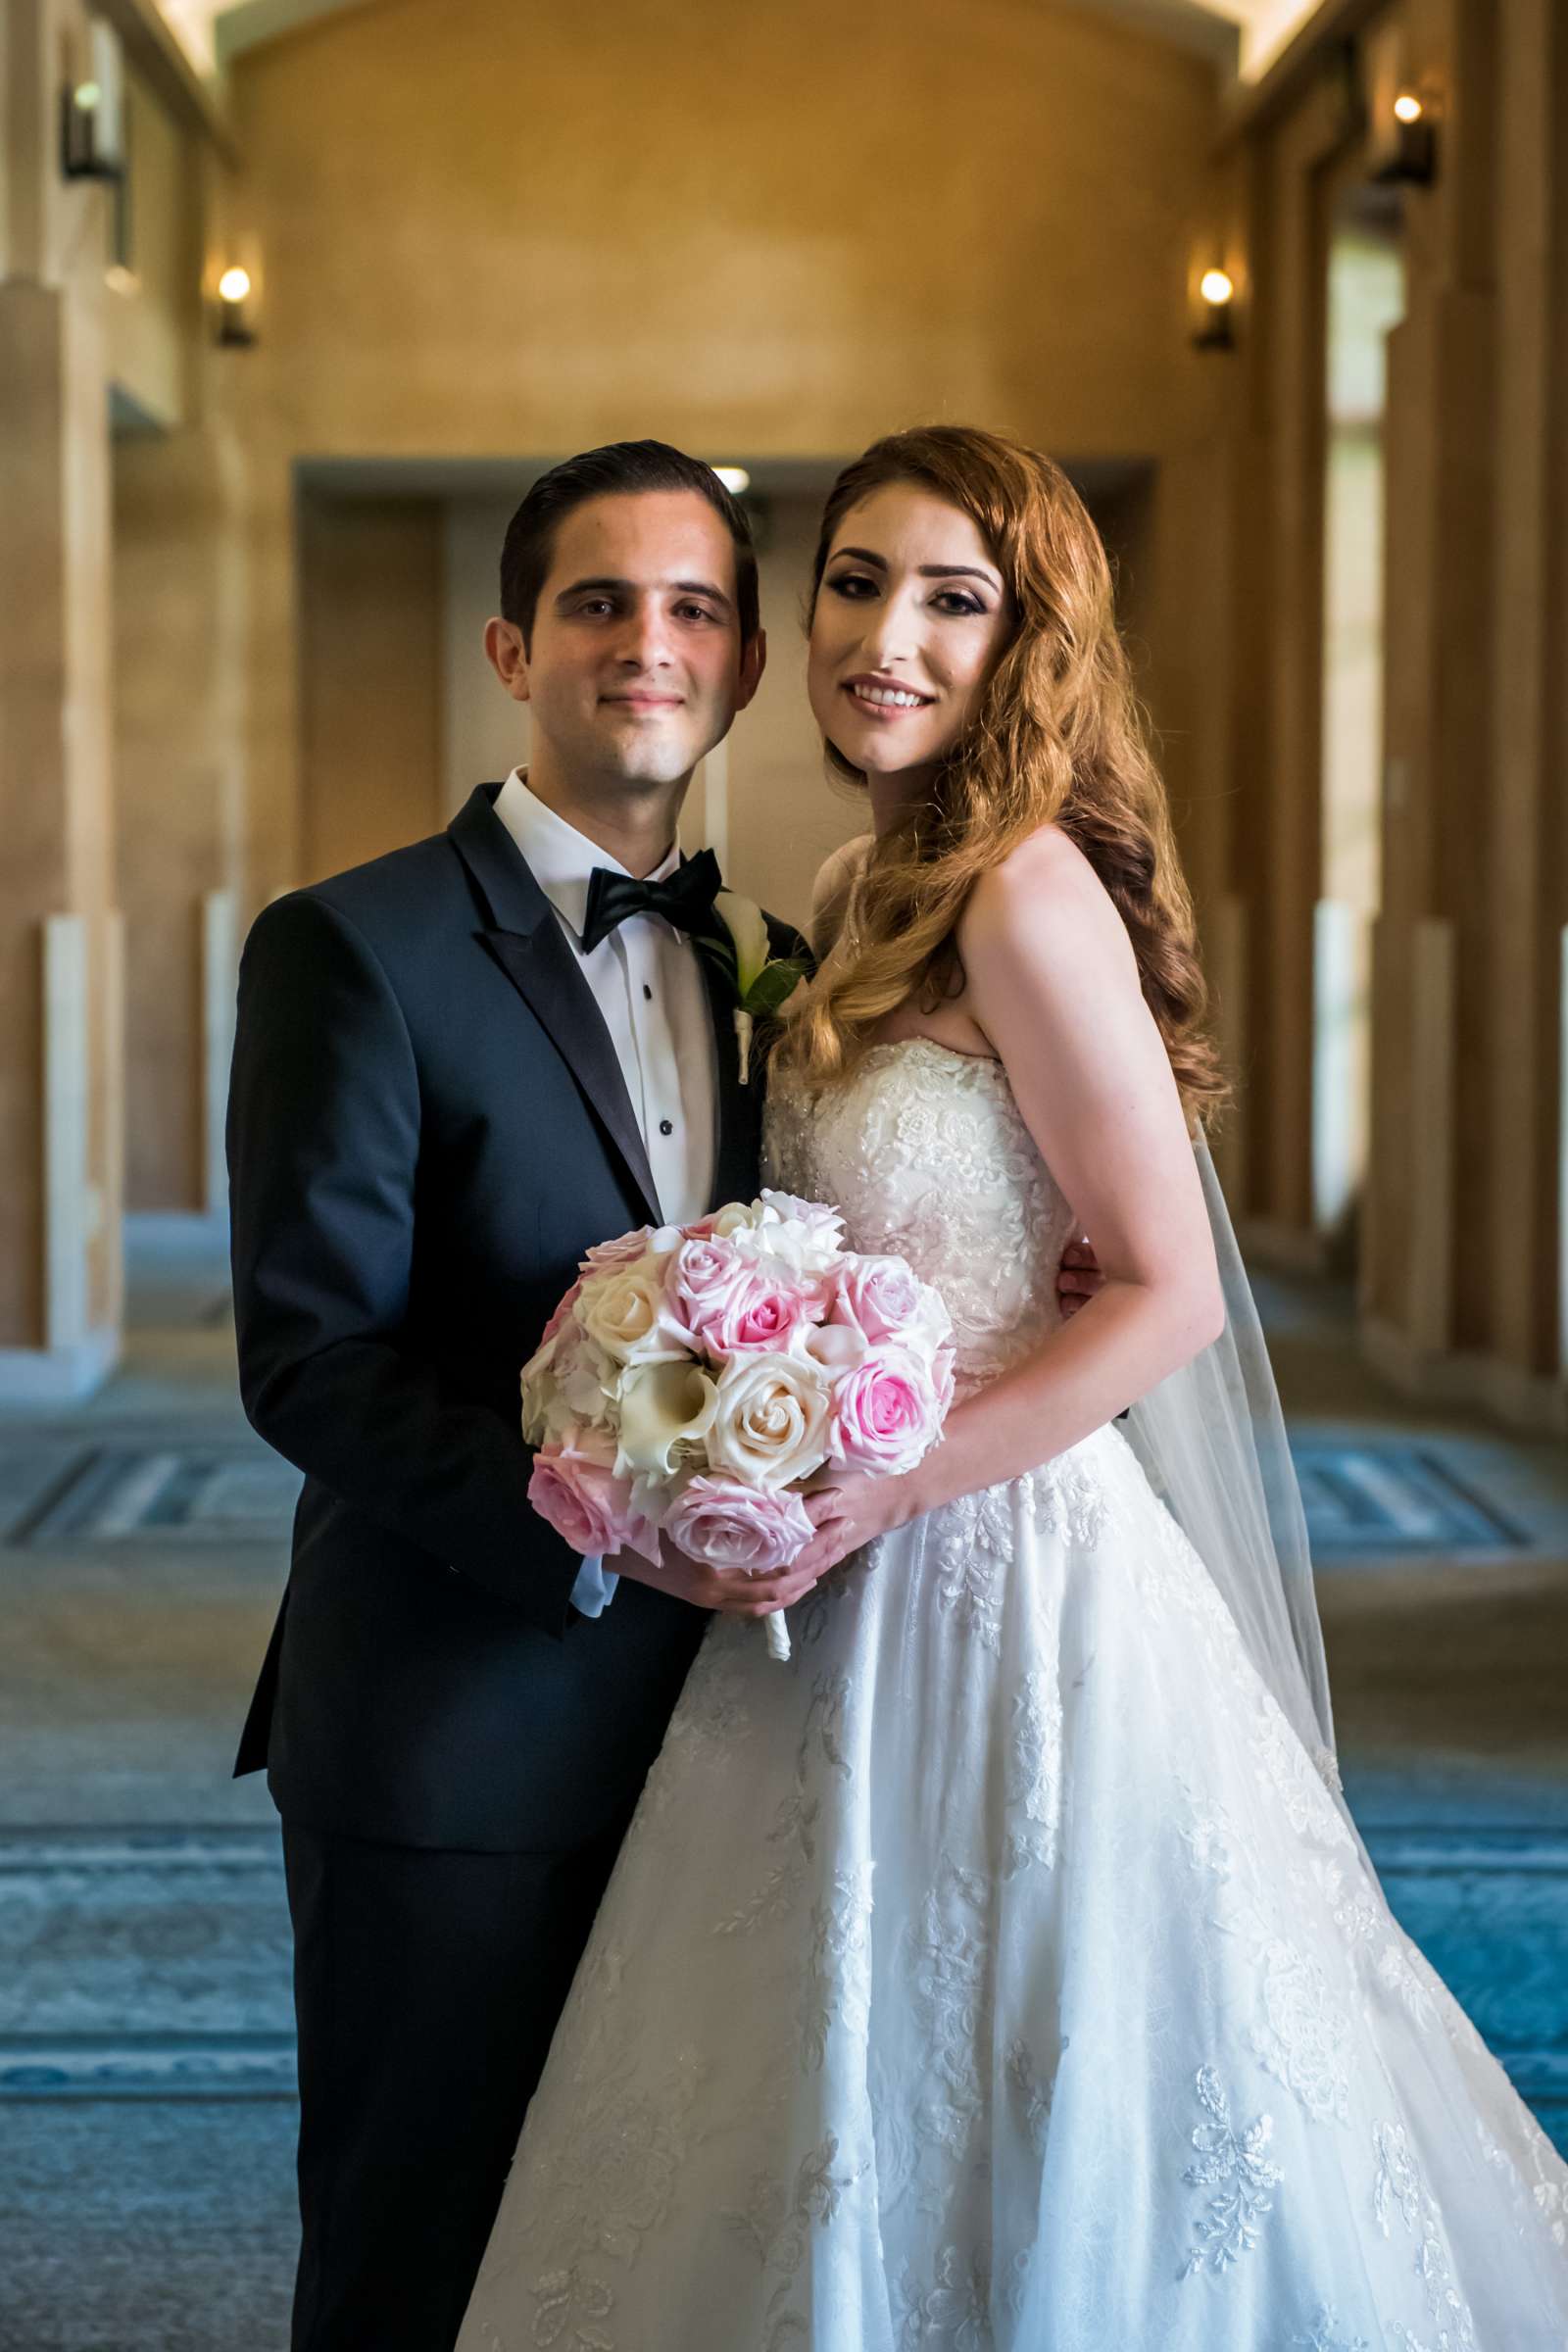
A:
(1212, 1442)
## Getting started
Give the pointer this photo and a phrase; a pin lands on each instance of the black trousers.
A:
(426, 1987)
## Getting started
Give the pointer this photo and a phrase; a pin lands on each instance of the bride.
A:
(1006, 1971)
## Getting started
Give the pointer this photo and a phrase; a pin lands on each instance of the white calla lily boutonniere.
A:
(762, 981)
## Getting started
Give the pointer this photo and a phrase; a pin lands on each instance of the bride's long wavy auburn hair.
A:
(1056, 738)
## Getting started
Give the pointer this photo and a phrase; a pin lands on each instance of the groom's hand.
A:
(1078, 1278)
(705, 1588)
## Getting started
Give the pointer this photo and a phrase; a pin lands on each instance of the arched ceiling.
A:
(1246, 35)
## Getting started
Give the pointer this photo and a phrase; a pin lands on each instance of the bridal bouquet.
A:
(695, 1375)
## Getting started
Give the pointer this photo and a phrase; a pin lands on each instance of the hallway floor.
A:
(146, 2189)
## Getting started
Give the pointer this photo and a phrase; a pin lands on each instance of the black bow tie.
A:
(685, 900)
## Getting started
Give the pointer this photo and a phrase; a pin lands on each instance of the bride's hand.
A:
(1079, 1277)
(704, 1587)
(850, 1509)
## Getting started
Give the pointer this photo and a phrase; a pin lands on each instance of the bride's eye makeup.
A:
(957, 603)
(852, 585)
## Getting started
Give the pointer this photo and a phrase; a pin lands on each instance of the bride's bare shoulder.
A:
(1044, 896)
(830, 892)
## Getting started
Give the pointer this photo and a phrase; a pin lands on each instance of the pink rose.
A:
(705, 1275)
(563, 1311)
(886, 1413)
(730, 1526)
(588, 1505)
(763, 1309)
(624, 1251)
(879, 1296)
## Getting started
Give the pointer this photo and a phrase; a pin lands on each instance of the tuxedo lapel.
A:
(544, 971)
(526, 939)
(739, 1143)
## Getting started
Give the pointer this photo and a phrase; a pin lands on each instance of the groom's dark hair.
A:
(623, 469)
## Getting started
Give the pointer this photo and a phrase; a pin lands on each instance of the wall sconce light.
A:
(1216, 295)
(234, 324)
(1407, 150)
(92, 116)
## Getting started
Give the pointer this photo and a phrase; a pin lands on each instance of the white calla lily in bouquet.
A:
(695, 1376)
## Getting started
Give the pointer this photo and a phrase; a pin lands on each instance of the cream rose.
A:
(625, 1311)
(837, 1346)
(771, 1419)
(667, 1410)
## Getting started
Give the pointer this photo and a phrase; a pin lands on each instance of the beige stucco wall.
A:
(486, 231)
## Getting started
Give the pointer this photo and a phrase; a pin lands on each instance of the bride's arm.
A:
(1053, 982)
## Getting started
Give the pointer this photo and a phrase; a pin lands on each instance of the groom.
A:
(456, 1068)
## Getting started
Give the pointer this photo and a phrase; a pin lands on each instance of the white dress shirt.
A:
(647, 983)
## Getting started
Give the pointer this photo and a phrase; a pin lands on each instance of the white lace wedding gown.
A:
(1001, 1973)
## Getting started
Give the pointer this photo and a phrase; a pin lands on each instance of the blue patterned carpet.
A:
(154, 1963)
(147, 2072)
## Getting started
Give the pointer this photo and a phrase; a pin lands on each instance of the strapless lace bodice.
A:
(927, 1155)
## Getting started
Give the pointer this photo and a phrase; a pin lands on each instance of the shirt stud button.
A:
(647, 992)
(667, 1126)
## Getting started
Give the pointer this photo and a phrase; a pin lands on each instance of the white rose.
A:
(737, 1217)
(665, 1412)
(820, 1218)
(625, 1312)
(807, 1236)
(771, 1423)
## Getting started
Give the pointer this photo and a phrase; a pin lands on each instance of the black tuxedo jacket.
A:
(427, 1127)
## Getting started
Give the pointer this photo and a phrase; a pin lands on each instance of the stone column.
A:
(1274, 764)
(1526, 897)
(179, 755)
(1427, 1269)
(60, 1043)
